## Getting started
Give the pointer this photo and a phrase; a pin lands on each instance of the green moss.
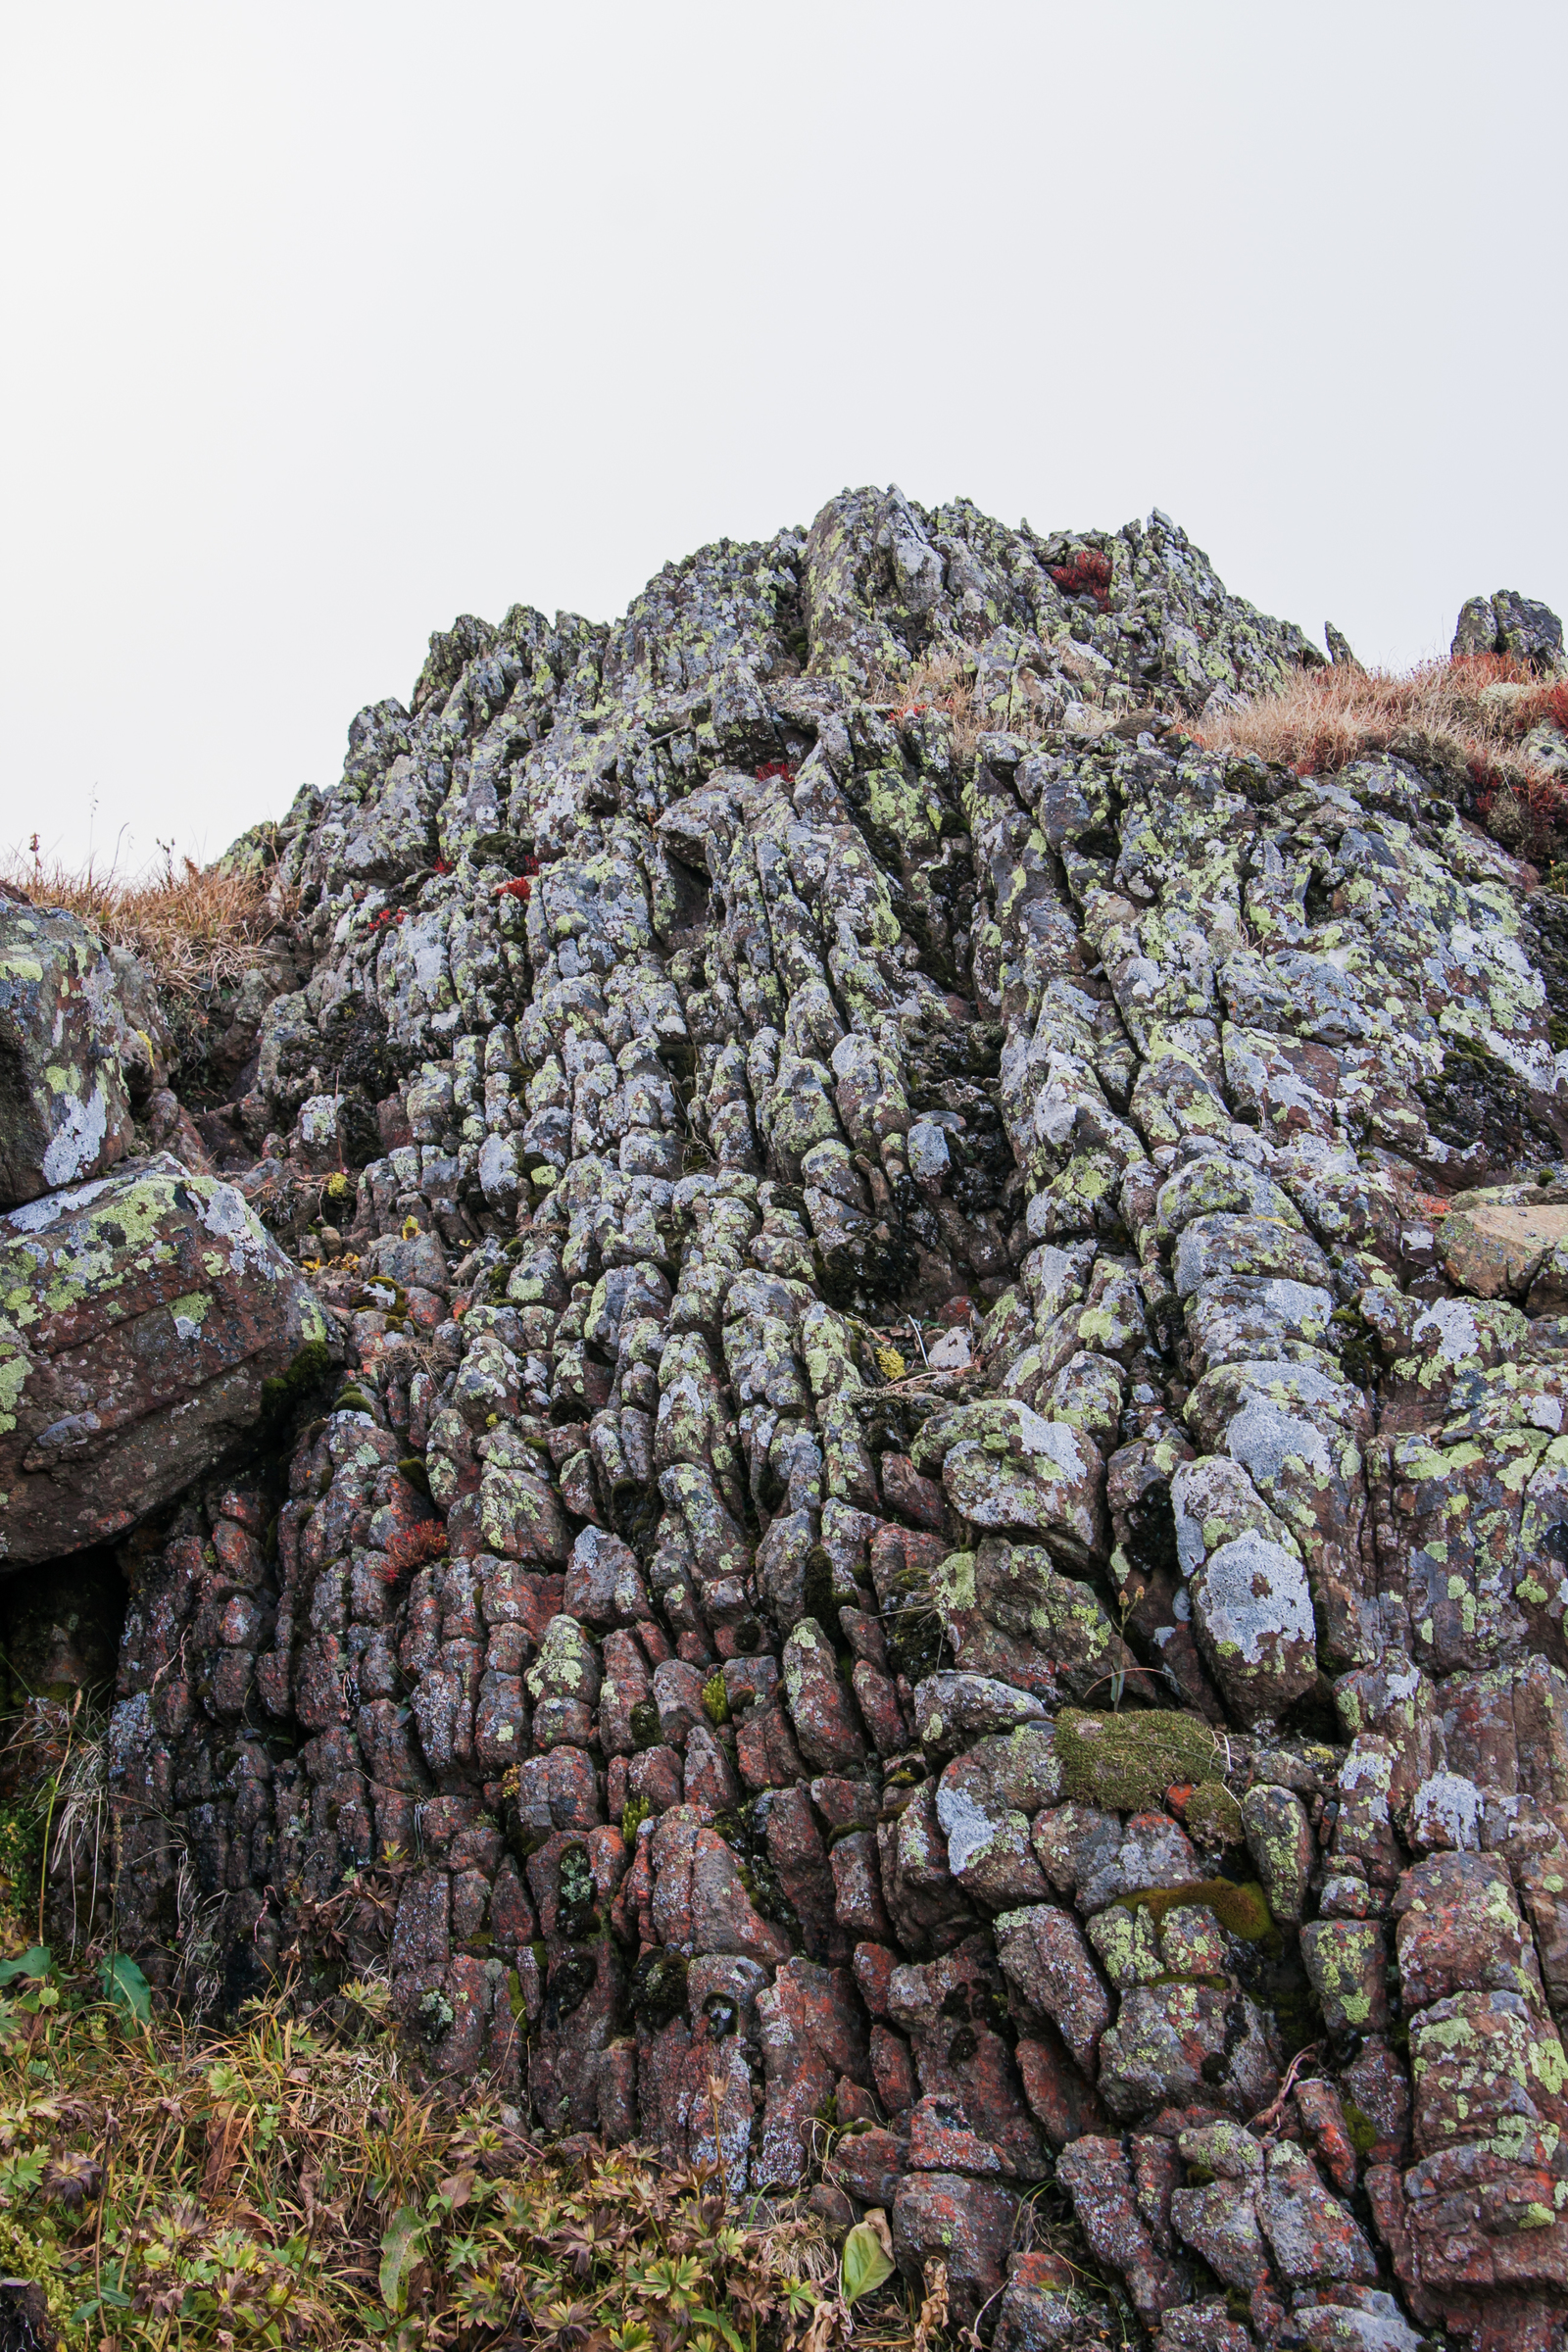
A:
(634, 1813)
(642, 1723)
(353, 1400)
(1242, 1910)
(1129, 1761)
(1357, 1344)
(716, 1699)
(1213, 1815)
(307, 1372)
(411, 1467)
(658, 1986)
(1362, 2129)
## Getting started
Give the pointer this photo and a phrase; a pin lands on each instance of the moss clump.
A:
(1129, 1761)
(307, 1372)
(1214, 1817)
(659, 1988)
(634, 1813)
(1241, 1910)
(642, 1722)
(716, 1699)
(353, 1400)
(412, 1469)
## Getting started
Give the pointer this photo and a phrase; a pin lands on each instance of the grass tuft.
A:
(1469, 719)
(195, 926)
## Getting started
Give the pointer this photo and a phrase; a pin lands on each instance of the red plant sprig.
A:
(413, 1547)
(521, 886)
(1086, 572)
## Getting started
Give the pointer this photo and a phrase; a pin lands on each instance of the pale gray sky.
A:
(326, 321)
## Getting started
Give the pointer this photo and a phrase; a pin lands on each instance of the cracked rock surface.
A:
(949, 1514)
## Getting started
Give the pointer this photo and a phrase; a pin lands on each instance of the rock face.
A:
(65, 1113)
(146, 1322)
(709, 1698)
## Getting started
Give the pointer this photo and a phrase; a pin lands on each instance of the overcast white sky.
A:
(324, 323)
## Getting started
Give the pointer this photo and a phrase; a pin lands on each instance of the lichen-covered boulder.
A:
(65, 1111)
(147, 1321)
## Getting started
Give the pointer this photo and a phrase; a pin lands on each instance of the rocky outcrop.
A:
(942, 1556)
(147, 1322)
(65, 1109)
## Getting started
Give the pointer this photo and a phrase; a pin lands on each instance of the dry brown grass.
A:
(940, 682)
(1465, 719)
(192, 925)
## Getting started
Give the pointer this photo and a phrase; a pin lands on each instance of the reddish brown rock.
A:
(765, 1749)
(869, 2165)
(915, 1498)
(892, 2070)
(1053, 1974)
(858, 1887)
(950, 2009)
(1062, 2102)
(820, 1708)
(1097, 2177)
(811, 2032)
(964, 2225)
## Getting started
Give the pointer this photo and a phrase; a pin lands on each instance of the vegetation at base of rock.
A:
(1129, 1761)
(285, 2184)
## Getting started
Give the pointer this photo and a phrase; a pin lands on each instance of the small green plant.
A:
(1242, 1909)
(716, 1699)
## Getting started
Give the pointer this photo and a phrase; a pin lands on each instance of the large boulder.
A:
(65, 1114)
(146, 1322)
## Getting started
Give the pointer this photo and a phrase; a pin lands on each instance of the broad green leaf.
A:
(716, 2320)
(866, 2262)
(126, 1987)
(401, 2246)
(34, 1963)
